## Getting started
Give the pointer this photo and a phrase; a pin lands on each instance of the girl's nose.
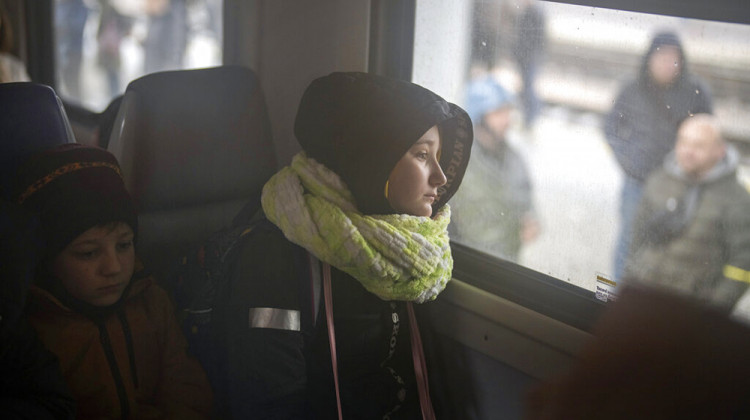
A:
(437, 177)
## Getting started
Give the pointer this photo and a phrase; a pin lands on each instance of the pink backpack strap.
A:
(420, 367)
(328, 297)
(417, 351)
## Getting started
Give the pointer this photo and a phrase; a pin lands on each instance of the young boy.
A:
(113, 329)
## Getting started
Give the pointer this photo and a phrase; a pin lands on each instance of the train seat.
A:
(194, 146)
(32, 119)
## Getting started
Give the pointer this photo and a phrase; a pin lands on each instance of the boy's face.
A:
(414, 181)
(96, 267)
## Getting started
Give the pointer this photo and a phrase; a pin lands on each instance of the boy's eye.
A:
(125, 245)
(86, 254)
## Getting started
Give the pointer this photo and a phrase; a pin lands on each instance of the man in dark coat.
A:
(642, 124)
(528, 50)
(692, 231)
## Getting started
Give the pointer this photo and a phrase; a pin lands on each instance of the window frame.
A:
(732, 11)
(545, 294)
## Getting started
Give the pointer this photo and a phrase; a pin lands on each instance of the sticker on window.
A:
(606, 288)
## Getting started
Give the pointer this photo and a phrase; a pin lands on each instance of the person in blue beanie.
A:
(494, 211)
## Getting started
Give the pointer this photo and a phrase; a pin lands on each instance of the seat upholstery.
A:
(194, 146)
(32, 118)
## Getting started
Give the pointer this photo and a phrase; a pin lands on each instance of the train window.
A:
(101, 45)
(574, 170)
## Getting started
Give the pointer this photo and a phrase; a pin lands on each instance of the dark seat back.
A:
(32, 118)
(194, 147)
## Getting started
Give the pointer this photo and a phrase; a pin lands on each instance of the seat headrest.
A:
(193, 137)
(32, 119)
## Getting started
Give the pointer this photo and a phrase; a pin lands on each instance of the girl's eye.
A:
(422, 155)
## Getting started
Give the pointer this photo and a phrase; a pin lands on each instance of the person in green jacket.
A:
(692, 230)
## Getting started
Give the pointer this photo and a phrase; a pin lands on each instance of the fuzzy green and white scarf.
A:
(396, 257)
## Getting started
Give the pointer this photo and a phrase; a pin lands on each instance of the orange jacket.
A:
(153, 374)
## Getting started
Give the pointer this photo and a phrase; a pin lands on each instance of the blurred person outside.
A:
(642, 125)
(494, 210)
(654, 355)
(486, 34)
(113, 27)
(214, 10)
(692, 231)
(11, 68)
(70, 19)
(528, 51)
(167, 37)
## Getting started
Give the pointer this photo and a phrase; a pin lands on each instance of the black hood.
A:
(683, 97)
(359, 125)
(664, 38)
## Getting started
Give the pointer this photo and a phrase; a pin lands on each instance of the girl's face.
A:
(96, 267)
(414, 181)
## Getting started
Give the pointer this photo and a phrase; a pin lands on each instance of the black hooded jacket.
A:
(359, 126)
(642, 126)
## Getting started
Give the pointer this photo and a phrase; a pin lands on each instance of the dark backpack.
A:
(201, 288)
(199, 283)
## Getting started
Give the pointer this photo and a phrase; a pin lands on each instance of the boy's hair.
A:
(73, 188)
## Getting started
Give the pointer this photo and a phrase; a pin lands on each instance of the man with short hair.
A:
(692, 230)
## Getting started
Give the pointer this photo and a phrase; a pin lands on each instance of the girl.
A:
(113, 330)
(366, 199)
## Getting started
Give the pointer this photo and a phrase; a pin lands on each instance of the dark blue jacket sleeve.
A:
(264, 369)
(621, 131)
